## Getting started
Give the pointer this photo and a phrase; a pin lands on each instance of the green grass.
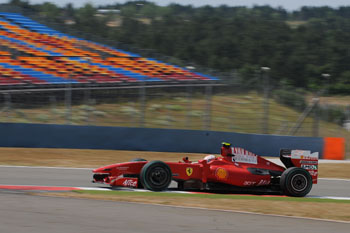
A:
(210, 196)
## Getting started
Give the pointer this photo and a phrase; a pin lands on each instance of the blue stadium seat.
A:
(37, 74)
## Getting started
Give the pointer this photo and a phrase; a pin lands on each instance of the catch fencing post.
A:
(88, 107)
(8, 100)
(53, 106)
(266, 102)
(142, 102)
(232, 116)
(68, 103)
(208, 96)
(303, 116)
(189, 107)
(347, 121)
(316, 121)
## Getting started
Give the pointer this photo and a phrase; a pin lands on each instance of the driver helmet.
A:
(209, 158)
(226, 149)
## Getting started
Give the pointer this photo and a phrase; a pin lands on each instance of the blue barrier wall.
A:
(146, 139)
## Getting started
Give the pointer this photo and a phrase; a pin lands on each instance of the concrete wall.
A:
(145, 139)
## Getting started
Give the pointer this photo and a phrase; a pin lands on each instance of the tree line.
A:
(297, 46)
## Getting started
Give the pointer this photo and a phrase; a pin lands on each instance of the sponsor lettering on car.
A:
(308, 162)
(249, 183)
(243, 156)
(309, 166)
(304, 154)
(263, 182)
(130, 183)
(313, 172)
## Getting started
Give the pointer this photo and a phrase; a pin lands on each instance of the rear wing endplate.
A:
(303, 159)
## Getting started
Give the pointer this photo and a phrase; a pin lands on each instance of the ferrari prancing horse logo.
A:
(189, 171)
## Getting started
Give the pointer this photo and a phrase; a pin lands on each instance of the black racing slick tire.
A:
(296, 182)
(138, 160)
(156, 176)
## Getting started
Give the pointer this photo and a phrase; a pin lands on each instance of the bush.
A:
(196, 113)
(339, 88)
(155, 107)
(42, 117)
(99, 113)
(294, 99)
(332, 113)
(174, 107)
(129, 110)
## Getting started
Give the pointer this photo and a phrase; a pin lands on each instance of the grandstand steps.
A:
(100, 53)
(33, 54)
(11, 52)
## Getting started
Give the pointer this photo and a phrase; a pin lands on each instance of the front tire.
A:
(156, 176)
(296, 182)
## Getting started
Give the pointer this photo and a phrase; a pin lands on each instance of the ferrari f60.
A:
(236, 170)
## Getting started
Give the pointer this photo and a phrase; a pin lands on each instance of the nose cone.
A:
(105, 169)
(97, 170)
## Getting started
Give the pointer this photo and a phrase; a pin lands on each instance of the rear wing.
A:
(303, 159)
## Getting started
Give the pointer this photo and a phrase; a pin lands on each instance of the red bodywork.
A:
(237, 167)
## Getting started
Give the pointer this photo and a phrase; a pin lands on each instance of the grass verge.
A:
(210, 196)
(288, 206)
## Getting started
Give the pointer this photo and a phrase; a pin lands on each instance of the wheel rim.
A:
(299, 182)
(158, 176)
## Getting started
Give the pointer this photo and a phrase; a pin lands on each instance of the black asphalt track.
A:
(22, 213)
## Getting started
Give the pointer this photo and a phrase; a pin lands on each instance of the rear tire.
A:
(296, 182)
(156, 176)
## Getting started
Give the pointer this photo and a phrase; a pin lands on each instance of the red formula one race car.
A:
(238, 170)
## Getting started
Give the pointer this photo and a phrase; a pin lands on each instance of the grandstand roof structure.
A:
(33, 55)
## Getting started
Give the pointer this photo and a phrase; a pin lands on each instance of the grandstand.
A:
(33, 55)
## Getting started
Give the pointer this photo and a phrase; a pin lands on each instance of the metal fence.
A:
(198, 107)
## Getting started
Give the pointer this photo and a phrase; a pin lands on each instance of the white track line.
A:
(94, 189)
(62, 168)
(83, 168)
(184, 192)
(334, 179)
(332, 198)
(44, 186)
(145, 190)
